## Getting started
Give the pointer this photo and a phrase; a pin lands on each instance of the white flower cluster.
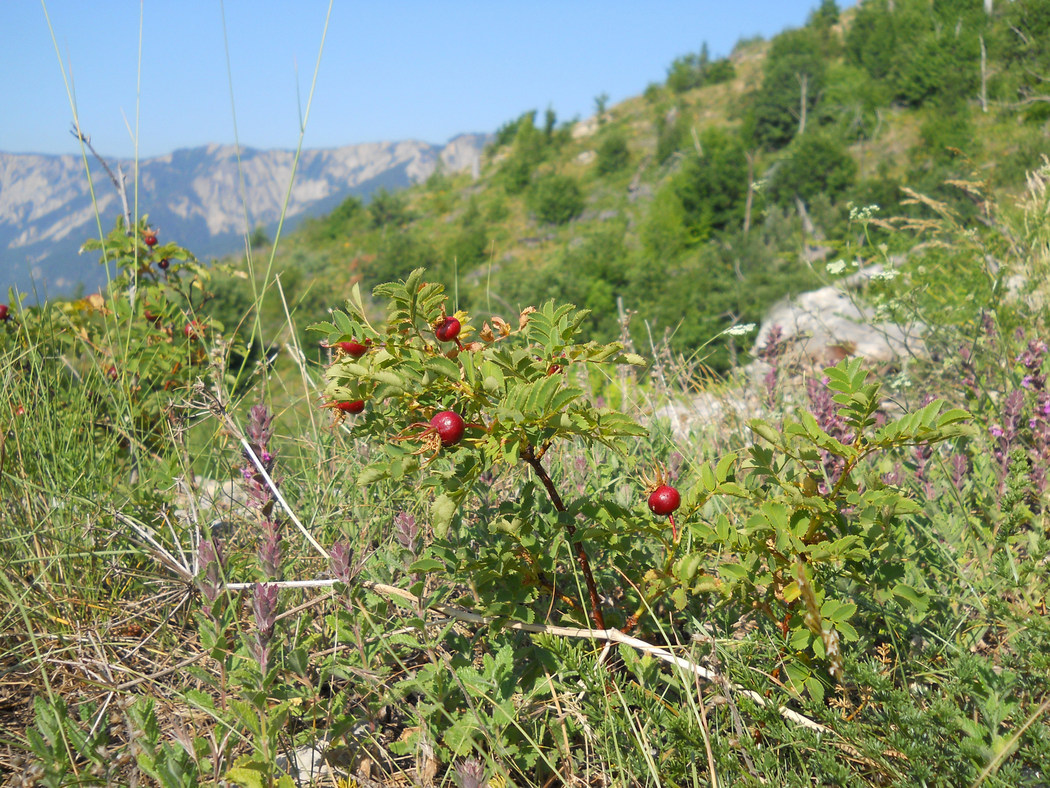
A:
(740, 330)
(862, 214)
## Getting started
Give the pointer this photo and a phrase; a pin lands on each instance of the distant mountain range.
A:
(193, 195)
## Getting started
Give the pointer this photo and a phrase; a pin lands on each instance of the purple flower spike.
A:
(406, 531)
(342, 563)
(260, 426)
(471, 773)
(209, 572)
(269, 551)
(264, 606)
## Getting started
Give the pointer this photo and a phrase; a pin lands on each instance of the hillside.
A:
(712, 196)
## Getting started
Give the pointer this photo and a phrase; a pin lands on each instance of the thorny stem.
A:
(530, 457)
(646, 604)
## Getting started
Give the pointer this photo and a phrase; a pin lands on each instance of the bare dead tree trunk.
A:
(984, 68)
(807, 224)
(750, 191)
(803, 81)
(120, 180)
(696, 142)
(988, 6)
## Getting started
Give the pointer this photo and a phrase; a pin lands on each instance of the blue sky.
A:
(392, 70)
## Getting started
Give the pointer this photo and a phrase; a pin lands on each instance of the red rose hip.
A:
(353, 349)
(4, 312)
(449, 426)
(664, 500)
(447, 330)
(353, 406)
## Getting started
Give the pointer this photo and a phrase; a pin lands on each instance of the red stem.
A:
(581, 554)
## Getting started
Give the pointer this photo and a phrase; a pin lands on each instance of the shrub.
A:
(556, 199)
(613, 153)
(813, 164)
(796, 58)
(713, 187)
(387, 209)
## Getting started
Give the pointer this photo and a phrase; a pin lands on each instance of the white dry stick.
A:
(164, 558)
(608, 635)
(250, 453)
(217, 409)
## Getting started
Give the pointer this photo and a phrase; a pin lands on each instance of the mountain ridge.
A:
(193, 195)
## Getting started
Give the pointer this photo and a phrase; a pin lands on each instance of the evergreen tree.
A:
(793, 77)
(712, 188)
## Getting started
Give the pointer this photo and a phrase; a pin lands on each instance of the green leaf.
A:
(734, 571)
(846, 629)
(426, 566)
(953, 416)
(680, 598)
(342, 322)
(800, 639)
(327, 329)
(460, 736)
(836, 611)
(763, 430)
(707, 477)
(372, 474)
(725, 465)
(442, 510)
(815, 688)
(911, 597)
(443, 366)
(248, 775)
(298, 661)
(355, 299)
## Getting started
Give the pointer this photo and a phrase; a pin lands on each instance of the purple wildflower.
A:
(959, 465)
(406, 531)
(264, 607)
(260, 431)
(260, 426)
(826, 412)
(894, 478)
(269, 550)
(209, 568)
(471, 774)
(989, 325)
(342, 564)
(771, 354)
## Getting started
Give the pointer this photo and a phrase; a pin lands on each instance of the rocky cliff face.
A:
(198, 197)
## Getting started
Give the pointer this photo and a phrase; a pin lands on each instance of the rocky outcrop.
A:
(814, 330)
(824, 326)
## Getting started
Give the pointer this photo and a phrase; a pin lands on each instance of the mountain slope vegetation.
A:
(703, 202)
